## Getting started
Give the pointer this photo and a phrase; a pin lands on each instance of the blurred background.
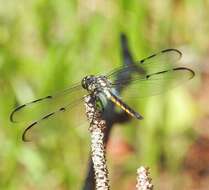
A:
(46, 45)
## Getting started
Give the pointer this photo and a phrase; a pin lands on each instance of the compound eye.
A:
(83, 83)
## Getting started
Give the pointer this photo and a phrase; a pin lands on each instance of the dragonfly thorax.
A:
(95, 83)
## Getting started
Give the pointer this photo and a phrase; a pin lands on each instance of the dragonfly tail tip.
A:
(138, 116)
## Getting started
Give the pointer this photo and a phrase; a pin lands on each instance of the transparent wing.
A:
(153, 75)
(50, 124)
(163, 60)
(157, 83)
(36, 109)
(44, 115)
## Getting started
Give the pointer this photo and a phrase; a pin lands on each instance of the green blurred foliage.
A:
(45, 46)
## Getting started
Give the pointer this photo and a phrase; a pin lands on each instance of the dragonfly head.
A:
(87, 81)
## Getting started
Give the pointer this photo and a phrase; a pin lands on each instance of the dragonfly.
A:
(152, 75)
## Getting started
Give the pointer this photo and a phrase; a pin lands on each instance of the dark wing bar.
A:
(43, 105)
(155, 83)
(176, 54)
(163, 60)
(161, 73)
(36, 124)
(26, 105)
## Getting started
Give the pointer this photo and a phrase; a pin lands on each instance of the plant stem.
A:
(97, 126)
(143, 179)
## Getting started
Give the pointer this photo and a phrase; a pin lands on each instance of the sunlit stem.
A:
(97, 126)
(143, 179)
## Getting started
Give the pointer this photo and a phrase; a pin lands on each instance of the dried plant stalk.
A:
(143, 179)
(97, 126)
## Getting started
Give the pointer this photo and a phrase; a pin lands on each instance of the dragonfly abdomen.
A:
(122, 105)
